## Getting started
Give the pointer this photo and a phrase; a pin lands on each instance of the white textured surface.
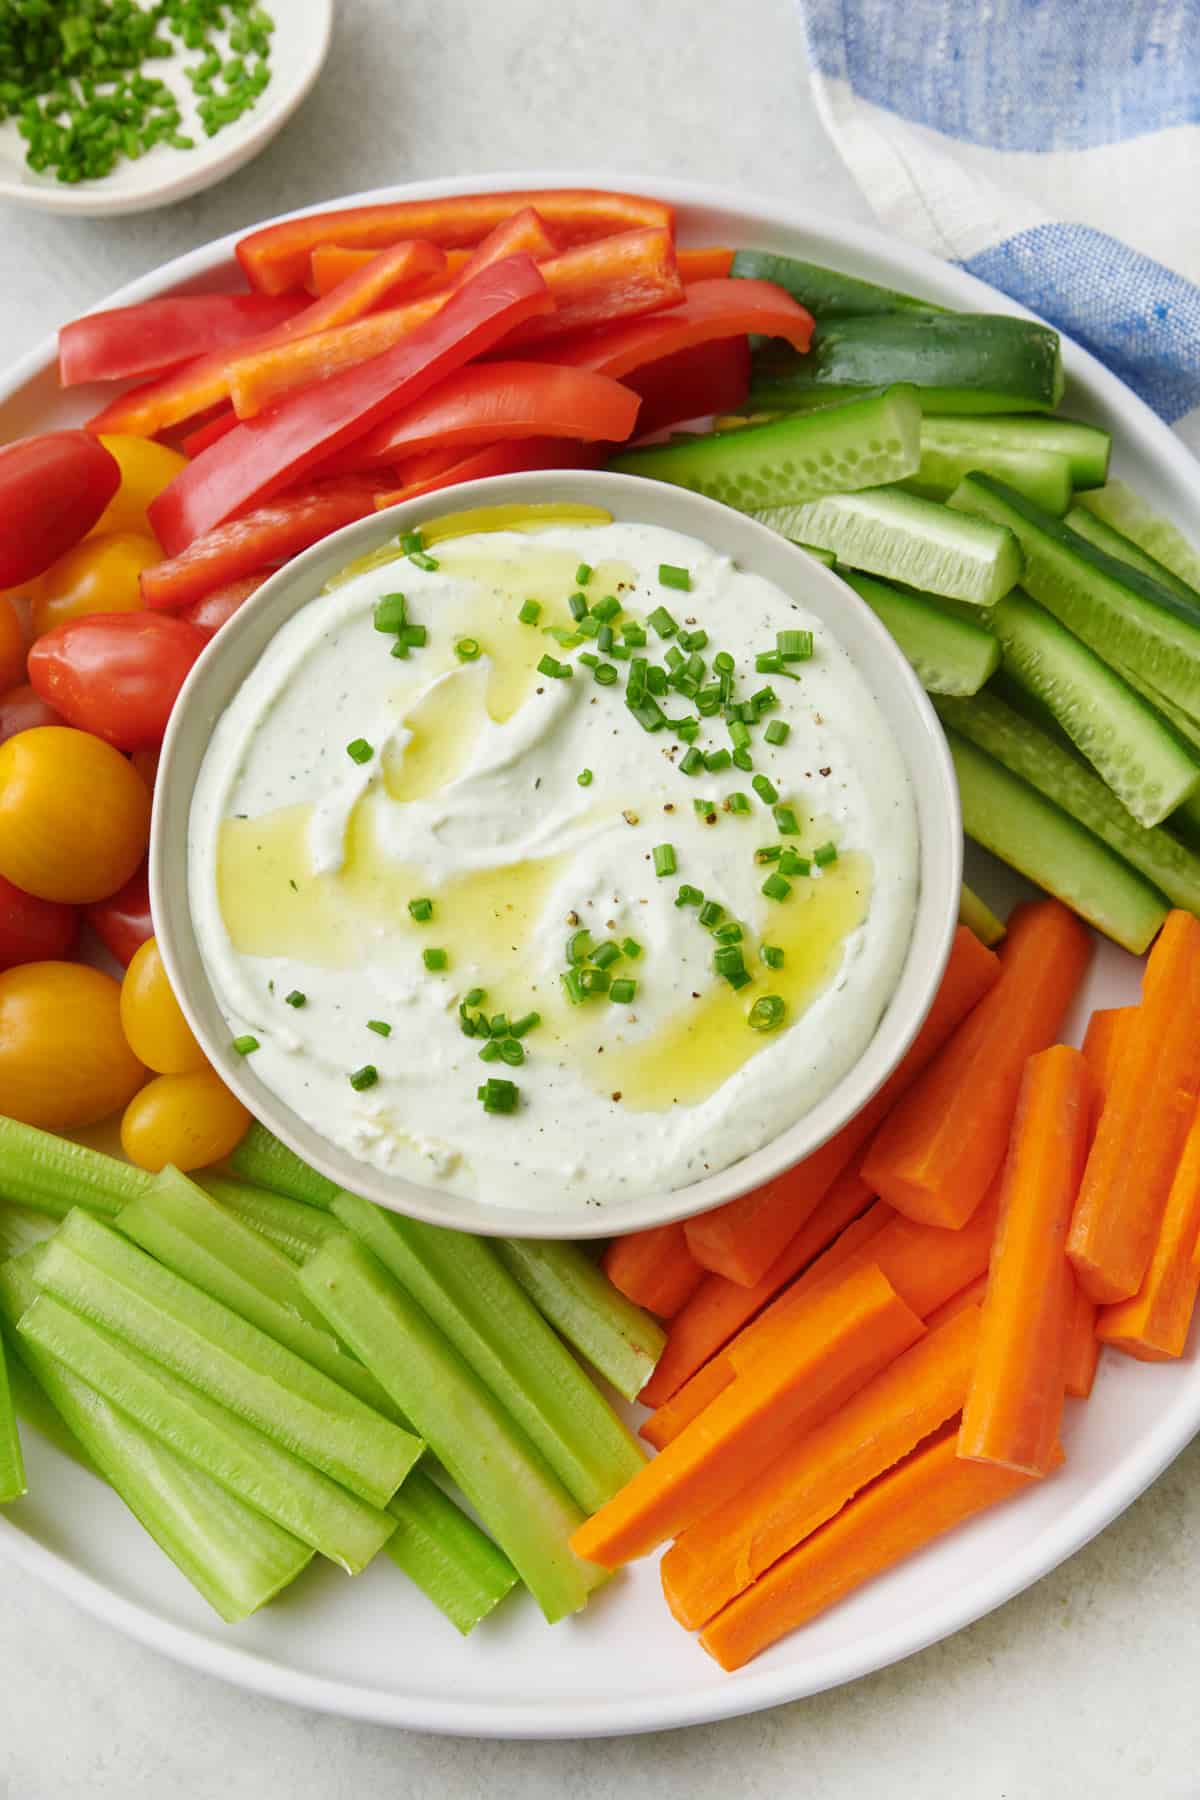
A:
(1085, 1684)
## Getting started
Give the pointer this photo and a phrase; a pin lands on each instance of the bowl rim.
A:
(224, 664)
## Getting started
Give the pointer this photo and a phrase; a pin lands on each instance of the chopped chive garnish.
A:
(662, 622)
(776, 888)
(739, 733)
(824, 854)
(584, 778)
(763, 700)
(631, 948)
(692, 762)
(549, 665)
(620, 652)
(716, 760)
(623, 991)
(423, 561)
(672, 576)
(594, 981)
(490, 1051)
(605, 954)
(359, 751)
(607, 609)
(695, 640)
(766, 790)
(708, 701)
(531, 612)
(792, 863)
(605, 673)
(411, 541)
(579, 946)
(794, 646)
(245, 1045)
(583, 574)
(723, 663)
(498, 1096)
(633, 633)
(498, 1025)
(468, 649)
(391, 613)
(769, 662)
(588, 660)
(364, 1078)
(380, 1027)
(435, 960)
(578, 605)
(686, 728)
(728, 960)
(664, 859)
(412, 637)
(525, 1023)
(738, 802)
(648, 713)
(703, 807)
(768, 853)
(573, 986)
(400, 648)
(568, 639)
(711, 913)
(656, 680)
(767, 1013)
(512, 1052)
(295, 998)
(777, 732)
(729, 933)
(605, 641)
(743, 760)
(421, 910)
(674, 658)
(689, 896)
(786, 821)
(588, 627)
(772, 955)
(475, 997)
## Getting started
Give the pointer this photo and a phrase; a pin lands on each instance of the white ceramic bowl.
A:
(298, 50)
(235, 651)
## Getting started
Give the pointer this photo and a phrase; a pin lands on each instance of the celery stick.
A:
(290, 1225)
(12, 1467)
(263, 1159)
(520, 1500)
(193, 1236)
(446, 1555)
(236, 1456)
(234, 1556)
(99, 1274)
(469, 1294)
(51, 1175)
(619, 1339)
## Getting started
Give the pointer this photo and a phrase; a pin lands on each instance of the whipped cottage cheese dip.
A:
(526, 808)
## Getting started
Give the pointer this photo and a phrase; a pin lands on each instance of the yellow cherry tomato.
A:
(153, 1020)
(64, 1060)
(189, 1120)
(146, 468)
(98, 576)
(74, 815)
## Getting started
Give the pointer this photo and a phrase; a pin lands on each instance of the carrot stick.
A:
(708, 262)
(719, 1556)
(1154, 1324)
(719, 1308)
(716, 1374)
(928, 1494)
(741, 1239)
(853, 1329)
(1104, 1043)
(938, 1153)
(971, 1295)
(1014, 1409)
(1144, 1122)
(1083, 1346)
(654, 1269)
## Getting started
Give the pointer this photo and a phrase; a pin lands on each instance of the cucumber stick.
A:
(1085, 447)
(950, 655)
(521, 1502)
(826, 293)
(296, 1229)
(12, 1467)
(1127, 619)
(1119, 506)
(904, 538)
(463, 1286)
(1148, 768)
(99, 1274)
(621, 1341)
(978, 917)
(50, 1174)
(1014, 822)
(231, 1553)
(1115, 543)
(961, 362)
(1043, 475)
(446, 1555)
(861, 444)
(263, 1159)
(1057, 772)
(186, 1231)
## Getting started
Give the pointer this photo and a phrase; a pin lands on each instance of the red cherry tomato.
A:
(52, 490)
(218, 607)
(123, 922)
(116, 674)
(33, 930)
(21, 709)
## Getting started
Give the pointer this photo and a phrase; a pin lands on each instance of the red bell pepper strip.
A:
(258, 541)
(692, 384)
(710, 310)
(204, 382)
(429, 473)
(259, 460)
(158, 334)
(217, 608)
(703, 262)
(524, 230)
(196, 442)
(277, 257)
(489, 402)
(331, 263)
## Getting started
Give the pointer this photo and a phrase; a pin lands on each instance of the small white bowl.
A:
(299, 47)
(223, 667)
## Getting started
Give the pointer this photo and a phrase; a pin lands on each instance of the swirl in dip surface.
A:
(527, 808)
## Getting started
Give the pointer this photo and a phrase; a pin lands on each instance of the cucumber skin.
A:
(1086, 447)
(1063, 778)
(1125, 511)
(825, 293)
(1044, 476)
(1106, 537)
(1012, 820)
(969, 653)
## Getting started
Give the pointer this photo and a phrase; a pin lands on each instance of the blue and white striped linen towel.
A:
(1051, 147)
